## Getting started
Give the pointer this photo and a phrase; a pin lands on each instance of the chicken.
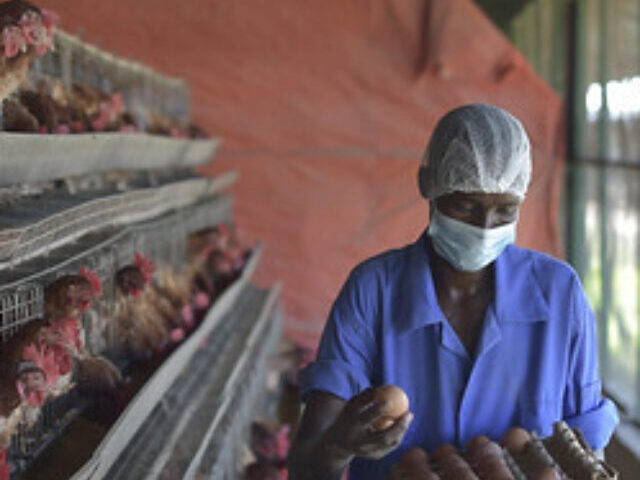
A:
(86, 100)
(37, 363)
(65, 299)
(224, 256)
(195, 131)
(141, 329)
(13, 73)
(26, 31)
(270, 444)
(110, 115)
(93, 110)
(71, 295)
(97, 374)
(209, 238)
(29, 371)
(175, 286)
(175, 320)
(220, 269)
(13, 10)
(69, 116)
(42, 107)
(159, 125)
(17, 118)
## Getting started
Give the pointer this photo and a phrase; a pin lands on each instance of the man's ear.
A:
(423, 181)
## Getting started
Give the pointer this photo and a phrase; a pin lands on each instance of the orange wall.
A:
(325, 107)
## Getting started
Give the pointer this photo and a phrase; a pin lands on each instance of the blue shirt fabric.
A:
(535, 362)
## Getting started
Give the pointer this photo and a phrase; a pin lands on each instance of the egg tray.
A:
(566, 452)
(570, 451)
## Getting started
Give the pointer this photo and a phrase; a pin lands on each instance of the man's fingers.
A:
(363, 399)
(360, 402)
(396, 431)
(371, 414)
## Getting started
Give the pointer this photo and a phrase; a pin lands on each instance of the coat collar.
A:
(518, 297)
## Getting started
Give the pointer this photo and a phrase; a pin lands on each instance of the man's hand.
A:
(352, 433)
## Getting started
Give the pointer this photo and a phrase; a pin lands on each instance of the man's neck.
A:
(454, 283)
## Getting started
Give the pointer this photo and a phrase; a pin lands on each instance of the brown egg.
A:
(415, 459)
(487, 459)
(477, 442)
(443, 451)
(396, 404)
(450, 465)
(515, 440)
(413, 464)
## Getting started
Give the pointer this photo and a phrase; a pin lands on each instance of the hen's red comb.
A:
(117, 103)
(49, 17)
(146, 267)
(282, 441)
(93, 279)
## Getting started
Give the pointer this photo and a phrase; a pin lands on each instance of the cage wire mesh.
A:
(164, 240)
(19, 307)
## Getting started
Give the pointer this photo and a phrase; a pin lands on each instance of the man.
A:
(480, 334)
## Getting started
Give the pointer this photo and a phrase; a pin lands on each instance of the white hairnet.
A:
(476, 148)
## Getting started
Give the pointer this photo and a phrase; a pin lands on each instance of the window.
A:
(603, 201)
(606, 223)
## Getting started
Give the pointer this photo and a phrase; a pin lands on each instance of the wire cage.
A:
(33, 437)
(22, 298)
(164, 240)
(19, 307)
(220, 458)
(144, 90)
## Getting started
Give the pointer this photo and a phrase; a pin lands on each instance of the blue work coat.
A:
(535, 363)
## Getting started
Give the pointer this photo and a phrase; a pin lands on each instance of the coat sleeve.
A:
(584, 407)
(345, 359)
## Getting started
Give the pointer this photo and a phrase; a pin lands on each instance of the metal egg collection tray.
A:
(176, 440)
(29, 159)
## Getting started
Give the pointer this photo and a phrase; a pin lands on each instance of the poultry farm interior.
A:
(123, 281)
(134, 342)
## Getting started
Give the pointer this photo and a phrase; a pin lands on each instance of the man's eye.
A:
(465, 207)
(508, 210)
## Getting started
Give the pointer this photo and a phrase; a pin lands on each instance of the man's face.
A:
(484, 210)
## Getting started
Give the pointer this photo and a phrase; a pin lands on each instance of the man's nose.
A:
(489, 219)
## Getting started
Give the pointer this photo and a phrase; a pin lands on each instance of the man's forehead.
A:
(481, 197)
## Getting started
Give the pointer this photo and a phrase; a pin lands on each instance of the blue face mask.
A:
(466, 247)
